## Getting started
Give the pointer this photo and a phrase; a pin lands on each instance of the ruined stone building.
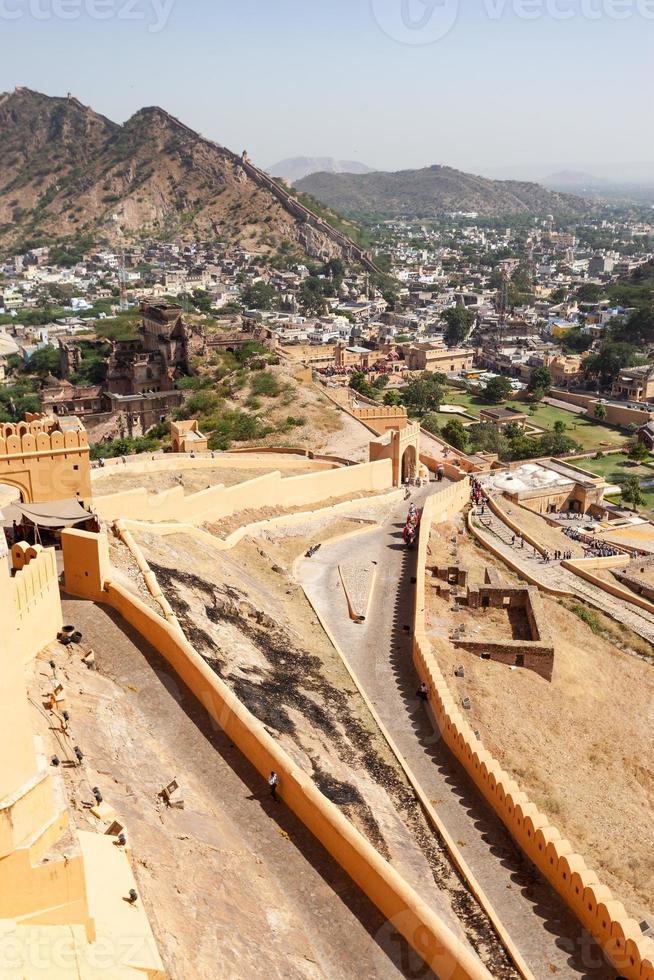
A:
(150, 363)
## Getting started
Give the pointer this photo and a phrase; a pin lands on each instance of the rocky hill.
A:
(432, 191)
(67, 173)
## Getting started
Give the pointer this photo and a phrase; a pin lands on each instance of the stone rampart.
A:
(593, 903)
(270, 490)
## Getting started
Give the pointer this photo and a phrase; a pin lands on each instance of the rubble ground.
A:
(246, 615)
(234, 885)
(580, 746)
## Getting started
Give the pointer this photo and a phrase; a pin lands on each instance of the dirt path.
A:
(379, 652)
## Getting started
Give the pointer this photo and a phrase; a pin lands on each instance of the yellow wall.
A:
(35, 590)
(45, 465)
(604, 917)
(18, 757)
(270, 490)
(397, 901)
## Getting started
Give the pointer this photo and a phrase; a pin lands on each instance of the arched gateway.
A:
(402, 447)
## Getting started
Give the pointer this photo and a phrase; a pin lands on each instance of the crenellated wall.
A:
(592, 902)
(35, 594)
(47, 894)
(43, 462)
(382, 418)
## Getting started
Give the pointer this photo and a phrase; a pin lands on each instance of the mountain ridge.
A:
(430, 191)
(67, 172)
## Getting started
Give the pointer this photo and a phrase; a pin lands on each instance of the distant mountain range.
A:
(571, 179)
(601, 188)
(295, 168)
(67, 172)
(433, 190)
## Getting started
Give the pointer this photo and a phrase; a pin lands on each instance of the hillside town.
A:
(531, 315)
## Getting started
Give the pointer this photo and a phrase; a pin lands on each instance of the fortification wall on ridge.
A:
(270, 490)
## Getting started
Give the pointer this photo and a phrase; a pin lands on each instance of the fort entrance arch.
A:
(402, 447)
(46, 459)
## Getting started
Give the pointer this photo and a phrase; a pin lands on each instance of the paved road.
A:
(379, 653)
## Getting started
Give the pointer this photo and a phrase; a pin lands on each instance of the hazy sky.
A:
(359, 79)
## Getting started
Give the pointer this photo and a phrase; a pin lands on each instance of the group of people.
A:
(595, 550)
(477, 494)
(602, 551)
(410, 532)
(558, 556)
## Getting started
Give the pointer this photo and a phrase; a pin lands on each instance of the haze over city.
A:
(505, 92)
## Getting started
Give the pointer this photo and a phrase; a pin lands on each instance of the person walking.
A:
(273, 782)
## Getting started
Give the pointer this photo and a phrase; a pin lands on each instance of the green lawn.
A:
(589, 433)
(645, 508)
(615, 468)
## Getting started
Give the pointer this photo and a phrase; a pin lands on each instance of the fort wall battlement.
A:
(44, 463)
(35, 593)
(592, 902)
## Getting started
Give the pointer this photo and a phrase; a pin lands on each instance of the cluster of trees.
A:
(126, 446)
(511, 443)
(624, 341)
(421, 396)
(18, 398)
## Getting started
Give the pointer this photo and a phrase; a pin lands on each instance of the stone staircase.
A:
(552, 576)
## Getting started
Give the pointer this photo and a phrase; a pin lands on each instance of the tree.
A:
(202, 301)
(559, 427)
(589, 293)
(260, 296)
(631, 492)
(557, 444)
(392, 397)
(424, 395)
(455, 434)
(524, 447)
(359, 382)
(44, 361)
(540, 380)
(488, 438)
(459, 322)
(638, 452)
(312, 296)
(610, 360)
(600, 411)
(431, 423)
(497, 390)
